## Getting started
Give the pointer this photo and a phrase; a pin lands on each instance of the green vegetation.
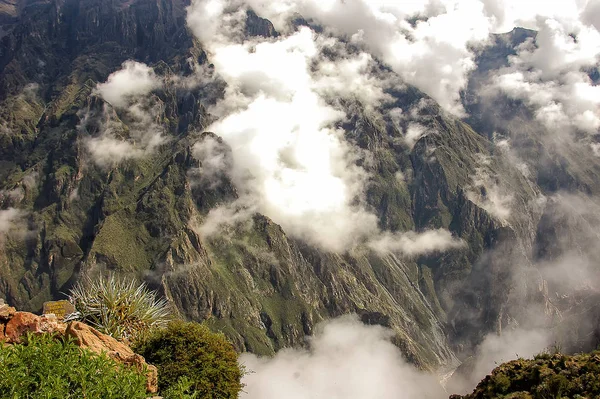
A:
(46, 367)
(119, 308)
(192, 360)
(547, 376)
(183, 389)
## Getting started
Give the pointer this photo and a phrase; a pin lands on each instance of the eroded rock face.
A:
(15, 325)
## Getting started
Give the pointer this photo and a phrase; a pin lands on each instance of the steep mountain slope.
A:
(67, 213)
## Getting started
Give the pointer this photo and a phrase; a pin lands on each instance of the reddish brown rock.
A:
(50, 324)
(20, 324)
(92, 339)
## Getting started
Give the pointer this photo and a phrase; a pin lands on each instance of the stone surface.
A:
(6, 312)
(20, 324)
(51, 324)
(92, 339)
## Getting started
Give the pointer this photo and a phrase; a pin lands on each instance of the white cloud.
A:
(12, 219)
(413, 244)
(107, 151)
(109, 142)
(496, 349)
(413, 133)
(214, 161)
(591, 14)
(487, 193)
(510, 345)
(279, 116)
(353, 77)
(346, 360)
(133, 80)
(226, 216)
(432, 54)
(551, 75)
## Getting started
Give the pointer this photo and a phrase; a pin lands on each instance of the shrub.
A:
(183, 389)
(122, 309)
(45, 367)
(206, 361)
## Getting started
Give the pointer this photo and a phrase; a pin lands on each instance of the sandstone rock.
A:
(51, 324)
(92, 339)
(23, 322)
(20, 324)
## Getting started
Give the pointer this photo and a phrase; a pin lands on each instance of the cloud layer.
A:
(346, 360)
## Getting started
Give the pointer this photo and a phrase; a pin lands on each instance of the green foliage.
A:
(121, 309)
(192, 360)
(547, 376)
(46, 367)
(183, 389)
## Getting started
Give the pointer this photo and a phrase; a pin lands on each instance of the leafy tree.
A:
(45, 367)
(192, 359)
(122, 309)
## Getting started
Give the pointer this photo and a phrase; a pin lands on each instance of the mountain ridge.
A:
(266, 290)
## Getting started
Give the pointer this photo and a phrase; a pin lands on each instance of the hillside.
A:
(92, 182)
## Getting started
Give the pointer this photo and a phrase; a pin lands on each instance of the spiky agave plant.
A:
(122, 309)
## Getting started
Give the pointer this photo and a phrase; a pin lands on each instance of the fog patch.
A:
(133, 80)
(345, 359)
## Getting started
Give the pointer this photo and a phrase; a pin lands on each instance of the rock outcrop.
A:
(15, 325)
(92, 339)
(545, 376)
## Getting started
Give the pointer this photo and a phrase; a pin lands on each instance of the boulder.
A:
(6, 312)
(20, 324)
(49, 323)
(23, 322)
(92, 339)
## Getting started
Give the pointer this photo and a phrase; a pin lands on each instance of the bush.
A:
(45, 367)
(121, 309)
(184, 389)
(193, 360)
